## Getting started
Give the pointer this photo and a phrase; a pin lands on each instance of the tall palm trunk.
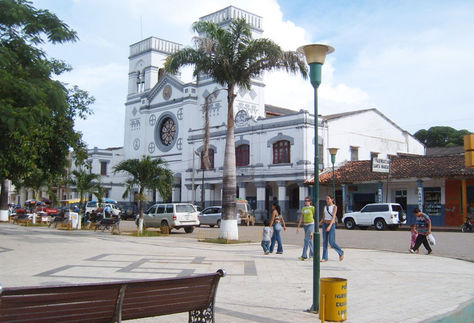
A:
(140, 218)
(229, 229)
(4, 201)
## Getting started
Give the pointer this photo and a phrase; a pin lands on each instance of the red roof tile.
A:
(401, 167)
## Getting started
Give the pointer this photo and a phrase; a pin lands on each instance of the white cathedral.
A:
(164, 118)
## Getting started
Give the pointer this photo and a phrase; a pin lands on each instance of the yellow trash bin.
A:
(333, 299)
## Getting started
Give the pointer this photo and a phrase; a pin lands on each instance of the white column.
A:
(282, 201)
(260, 211)
(242, 190)
(303, 190)
(187, 193)
(207, 194)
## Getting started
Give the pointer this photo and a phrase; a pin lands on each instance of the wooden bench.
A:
(112, 302)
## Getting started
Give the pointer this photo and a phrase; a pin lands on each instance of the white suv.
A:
(172, 216)
(94, 205)
(379, 215)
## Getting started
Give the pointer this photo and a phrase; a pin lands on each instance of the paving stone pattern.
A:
(382, 286)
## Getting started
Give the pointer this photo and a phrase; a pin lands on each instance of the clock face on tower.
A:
(167, 92)
(167, 131)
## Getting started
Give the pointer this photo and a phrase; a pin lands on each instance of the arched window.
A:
(211, 158)
(140, 81)
(281, 152)
(242, 155)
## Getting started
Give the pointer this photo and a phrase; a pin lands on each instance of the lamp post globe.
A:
(315, 56)
(333, 152)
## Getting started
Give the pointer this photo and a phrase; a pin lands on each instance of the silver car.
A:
(172, 216)
(212, 216)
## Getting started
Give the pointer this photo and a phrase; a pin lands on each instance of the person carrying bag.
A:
(423, 226)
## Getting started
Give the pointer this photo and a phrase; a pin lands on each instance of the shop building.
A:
(439, 185)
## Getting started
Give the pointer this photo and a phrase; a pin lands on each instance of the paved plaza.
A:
(382, 286)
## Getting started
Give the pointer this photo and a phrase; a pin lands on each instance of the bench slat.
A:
(132, 292)
(161, 309)
(53, 298)
(82, 316)
(195, 300)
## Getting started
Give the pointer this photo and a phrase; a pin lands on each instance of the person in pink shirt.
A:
(414, 235)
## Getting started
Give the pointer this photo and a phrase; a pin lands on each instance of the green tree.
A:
(36, 180)
(145, 174)
(441, 136)
(37, 112)
(232, 58)
(86, 182)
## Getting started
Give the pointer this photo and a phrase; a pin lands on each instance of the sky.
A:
(412, 60)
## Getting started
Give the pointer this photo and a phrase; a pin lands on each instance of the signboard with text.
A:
(380, 165)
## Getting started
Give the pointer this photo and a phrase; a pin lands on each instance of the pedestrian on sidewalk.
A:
(307, 219)
(414, 234)
(277, 223)
(266, 237)
(328, 223)
(423, 226)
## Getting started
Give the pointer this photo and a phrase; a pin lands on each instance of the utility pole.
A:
(193, 187)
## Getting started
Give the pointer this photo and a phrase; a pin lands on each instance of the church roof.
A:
(274, 111)
(345, 114)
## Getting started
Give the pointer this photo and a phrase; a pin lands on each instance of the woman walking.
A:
(307, 219)
(328, 222)
(277, 222)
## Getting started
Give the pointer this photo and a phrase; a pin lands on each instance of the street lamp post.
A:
(333, 152)
(315, 56)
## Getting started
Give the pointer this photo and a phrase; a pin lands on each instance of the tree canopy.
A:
(231, 57)
(37, 112)
(441, 136)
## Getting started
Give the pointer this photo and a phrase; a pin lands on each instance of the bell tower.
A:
(146, 61)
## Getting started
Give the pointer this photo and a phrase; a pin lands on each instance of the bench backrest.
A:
(108, 302)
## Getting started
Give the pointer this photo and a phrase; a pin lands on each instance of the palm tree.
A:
(146, 174)
(232, 58)
(85, 182)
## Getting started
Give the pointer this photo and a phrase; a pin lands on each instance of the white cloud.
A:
(411, 60)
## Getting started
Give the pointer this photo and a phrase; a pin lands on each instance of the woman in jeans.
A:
(277, 222)
(328, 222)
(307, 219)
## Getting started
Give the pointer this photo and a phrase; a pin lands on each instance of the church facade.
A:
(164, 118)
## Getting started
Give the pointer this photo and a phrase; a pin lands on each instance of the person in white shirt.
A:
(328, 221)
(266, 237)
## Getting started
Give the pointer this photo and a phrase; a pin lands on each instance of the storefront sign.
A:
(380, 165)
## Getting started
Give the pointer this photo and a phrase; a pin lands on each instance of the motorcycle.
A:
(467, 226)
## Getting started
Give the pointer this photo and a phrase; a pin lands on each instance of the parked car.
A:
(172, 216)
(212, 216)
(379, 215)
(244, 212)
(129, 210)
(94, 205)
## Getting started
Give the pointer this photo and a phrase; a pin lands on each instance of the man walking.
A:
(423, 226)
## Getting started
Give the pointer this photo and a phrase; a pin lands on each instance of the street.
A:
(456, 245)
